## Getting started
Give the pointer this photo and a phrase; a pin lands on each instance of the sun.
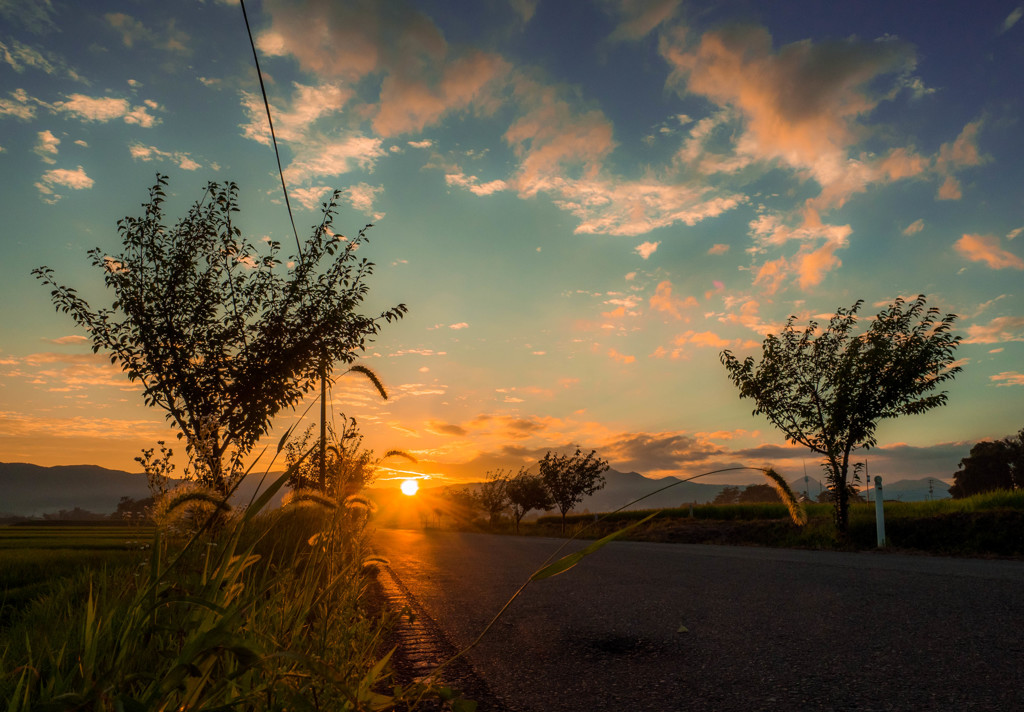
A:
(410, 487)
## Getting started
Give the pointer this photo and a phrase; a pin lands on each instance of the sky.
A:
(581, 203)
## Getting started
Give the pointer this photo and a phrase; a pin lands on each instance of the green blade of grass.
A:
(570, 560)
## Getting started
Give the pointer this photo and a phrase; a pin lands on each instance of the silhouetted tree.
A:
(756, 494)
(527, 492)
(569, 479)
(220, 335)
(728, 495)
(827, 391)
(492, 495)
(992, 465)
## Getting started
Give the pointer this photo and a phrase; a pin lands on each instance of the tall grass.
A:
(267, 613)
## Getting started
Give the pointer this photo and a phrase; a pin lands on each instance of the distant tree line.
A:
(991, 465)
(561, 482)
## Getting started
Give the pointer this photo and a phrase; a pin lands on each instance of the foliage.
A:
(271, 616)
(220, 335)
(527, 492)
(991, 466)
(747, 495)
(492, 496)
(569, 478)
(827, 391)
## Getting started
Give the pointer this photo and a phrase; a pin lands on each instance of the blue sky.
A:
(581, 203)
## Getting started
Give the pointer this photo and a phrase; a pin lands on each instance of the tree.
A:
(220, 335)
(991, 465)
(569, 478)
(756, 494)
(492, 496)
(827, 391)
(527, 492)
(728, 495)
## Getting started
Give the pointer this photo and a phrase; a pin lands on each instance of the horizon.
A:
(581, 207)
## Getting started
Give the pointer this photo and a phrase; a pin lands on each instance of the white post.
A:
(879, 513)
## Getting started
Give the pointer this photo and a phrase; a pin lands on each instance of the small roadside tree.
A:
(492, 495)
(221, 335)
(527, 492)
(570, 478)
(827, 391)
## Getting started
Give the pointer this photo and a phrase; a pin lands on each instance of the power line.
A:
(270, 121)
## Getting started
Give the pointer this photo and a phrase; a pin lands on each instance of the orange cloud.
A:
(664, 301)
(999, 330)
(987, 249)
(950, 189)
(718, 249)
(799, 103)
(1008, 378)
(620, 358)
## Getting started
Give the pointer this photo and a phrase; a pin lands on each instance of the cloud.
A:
(700, 339)
(18, 105)
(801, 104)
(986, 248)
(1014, 233)
(1012, 19)
(310, 197)
(646, 249)
(362, 195)
(46, 146)
(446, 428)
(21, 57)
(664, 301)
(103, 109)
(425, 143)
(914, 227)
(70, 339)
(657, 453)
(640, 17)
(1008, 378)
(36, 16)
(620, 358)
(133, 33)
(422, 79)
(307, 105)
(74, 179)
(999, 330)
(458, 326)
(950, 189)
(326, 156)
(142, 152)
(718, 249)
(473, 185)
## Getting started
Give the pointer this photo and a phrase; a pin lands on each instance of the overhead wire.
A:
(270, 121)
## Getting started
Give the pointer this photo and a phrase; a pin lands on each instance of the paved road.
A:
(766, 629)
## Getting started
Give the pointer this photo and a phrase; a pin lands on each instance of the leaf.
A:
(567, 562)
(683, 629)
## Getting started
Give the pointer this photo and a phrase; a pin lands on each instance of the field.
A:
(990, 524)
(34, 558)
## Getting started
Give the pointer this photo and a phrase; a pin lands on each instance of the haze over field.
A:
(581, 203)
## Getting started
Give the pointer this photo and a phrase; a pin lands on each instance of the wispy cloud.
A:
(46, 146)
(986, 249)
(1008, 378)
(999, 330)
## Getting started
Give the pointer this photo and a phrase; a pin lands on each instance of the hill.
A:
(31, 490)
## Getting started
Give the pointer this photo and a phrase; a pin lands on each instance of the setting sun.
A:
(410, 487)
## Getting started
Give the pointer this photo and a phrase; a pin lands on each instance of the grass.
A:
(983, 525)
(262, 611)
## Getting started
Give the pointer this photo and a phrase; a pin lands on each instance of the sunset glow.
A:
(581, 204)
(410, 487)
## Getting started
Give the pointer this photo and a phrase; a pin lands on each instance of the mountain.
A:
(31, 491)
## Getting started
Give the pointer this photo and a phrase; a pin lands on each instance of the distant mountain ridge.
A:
(33, 490)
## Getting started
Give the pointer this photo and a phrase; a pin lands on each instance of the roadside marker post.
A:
(879, 512)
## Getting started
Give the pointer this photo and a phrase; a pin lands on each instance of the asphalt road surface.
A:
(641, 626)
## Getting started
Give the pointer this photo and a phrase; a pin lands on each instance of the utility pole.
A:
(323, 423)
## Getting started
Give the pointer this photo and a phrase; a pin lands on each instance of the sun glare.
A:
(410, 487)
